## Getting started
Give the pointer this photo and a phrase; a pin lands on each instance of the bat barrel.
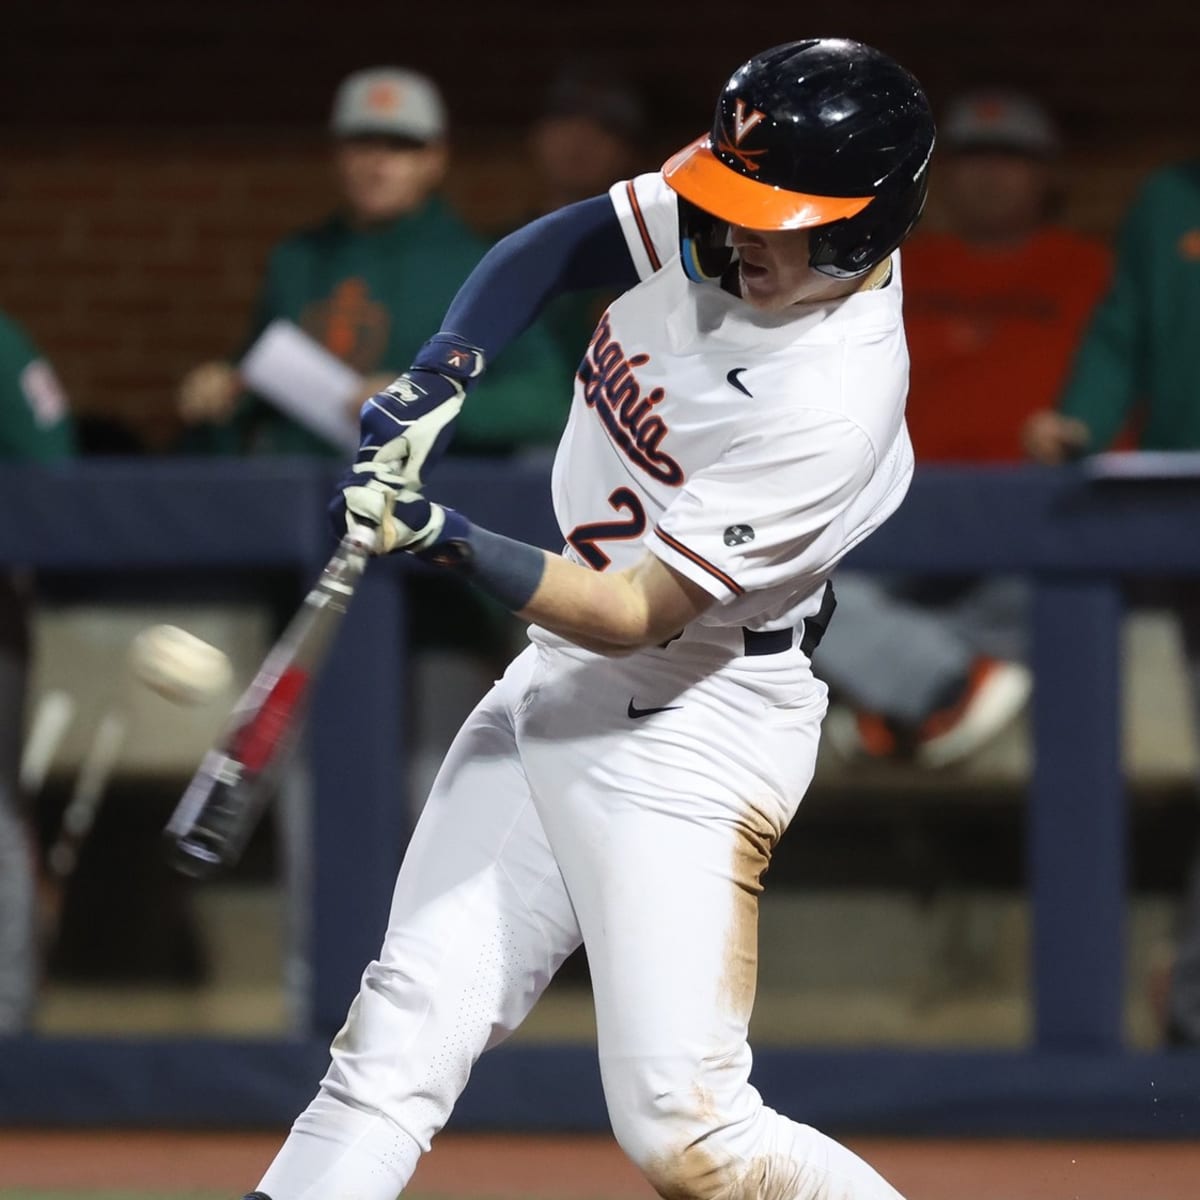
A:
(213, 822)
(219, 809)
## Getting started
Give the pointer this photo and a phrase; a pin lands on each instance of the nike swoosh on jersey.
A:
(635, 714)
(732, 378)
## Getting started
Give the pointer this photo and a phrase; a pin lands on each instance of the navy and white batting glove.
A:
(401, 519)
(410, 422)
(405, 428)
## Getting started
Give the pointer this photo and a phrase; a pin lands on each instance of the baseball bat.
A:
(237, 778)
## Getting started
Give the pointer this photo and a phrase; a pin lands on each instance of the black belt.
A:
(776, 641)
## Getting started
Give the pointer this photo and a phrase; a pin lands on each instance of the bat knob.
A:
(193, 856)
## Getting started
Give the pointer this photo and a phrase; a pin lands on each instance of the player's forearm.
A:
(605, 613)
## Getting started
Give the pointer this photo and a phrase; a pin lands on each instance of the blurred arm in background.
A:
(35, 427)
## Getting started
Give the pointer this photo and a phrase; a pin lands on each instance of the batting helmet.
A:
(825, 134)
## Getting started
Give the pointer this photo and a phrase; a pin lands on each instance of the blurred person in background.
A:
(35, 427)
(1139, 365)
(371, 281)
(589, 135)
(994, 307)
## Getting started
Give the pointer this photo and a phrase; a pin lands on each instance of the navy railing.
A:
(1075, 537)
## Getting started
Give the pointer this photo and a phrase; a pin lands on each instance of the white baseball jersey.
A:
(747, 450)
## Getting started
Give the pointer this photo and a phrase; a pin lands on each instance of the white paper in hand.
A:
(304, 381)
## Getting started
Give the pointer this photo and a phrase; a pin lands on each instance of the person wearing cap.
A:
(589, 134)
(1141, 354)
(371, 282)
(994, 306)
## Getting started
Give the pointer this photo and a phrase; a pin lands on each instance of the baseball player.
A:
(737, 426)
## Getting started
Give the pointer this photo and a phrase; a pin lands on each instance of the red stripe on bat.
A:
(259, 738)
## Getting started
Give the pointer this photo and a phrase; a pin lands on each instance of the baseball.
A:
(178, 665)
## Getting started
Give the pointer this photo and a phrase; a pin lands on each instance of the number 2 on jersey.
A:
(584, 537)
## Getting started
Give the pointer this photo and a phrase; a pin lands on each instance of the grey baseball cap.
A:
(998, 120)
(389, 101)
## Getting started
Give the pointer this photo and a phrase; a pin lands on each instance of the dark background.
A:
(151, 151)
(1113, 72)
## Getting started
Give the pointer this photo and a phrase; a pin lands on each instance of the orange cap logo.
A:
(991, 111)
(384, 97)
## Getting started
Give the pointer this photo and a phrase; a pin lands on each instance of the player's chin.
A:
(760, 288)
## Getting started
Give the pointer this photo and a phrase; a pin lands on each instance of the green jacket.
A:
(372, 297)
(35, 424)
(1142, 347)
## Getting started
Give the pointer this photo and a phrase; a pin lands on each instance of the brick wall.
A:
(136, 209)
(131, 260)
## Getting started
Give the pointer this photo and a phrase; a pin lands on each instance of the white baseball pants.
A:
(563, 813)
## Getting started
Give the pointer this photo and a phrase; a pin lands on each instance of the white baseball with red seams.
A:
(178, 665)
(632, 802)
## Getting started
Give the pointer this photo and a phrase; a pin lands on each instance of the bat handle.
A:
(361, 538)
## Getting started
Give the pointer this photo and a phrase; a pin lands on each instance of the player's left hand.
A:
(405, 427)
(409, 423)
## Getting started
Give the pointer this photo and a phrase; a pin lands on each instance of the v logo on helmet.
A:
(742, 124)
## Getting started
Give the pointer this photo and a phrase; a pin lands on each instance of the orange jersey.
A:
(991, 334)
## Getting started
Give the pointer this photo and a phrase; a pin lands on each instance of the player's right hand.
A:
(392, 517)
(208, 394)
(1052, 438)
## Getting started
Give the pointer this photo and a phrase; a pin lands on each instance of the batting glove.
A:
(410, 422)
(405, 428)
(401, 519)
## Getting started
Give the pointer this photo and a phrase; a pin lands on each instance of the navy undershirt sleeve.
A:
(573, 249)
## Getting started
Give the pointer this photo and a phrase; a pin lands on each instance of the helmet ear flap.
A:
(704, 248)
(850, 248)
(841, 249)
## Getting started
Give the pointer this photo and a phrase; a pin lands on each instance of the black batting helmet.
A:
(825, 134)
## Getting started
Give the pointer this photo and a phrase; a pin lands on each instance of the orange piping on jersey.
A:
(703, 563)
(631, 192)
(698, 175)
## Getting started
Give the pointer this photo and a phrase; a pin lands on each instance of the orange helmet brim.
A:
(697, 175)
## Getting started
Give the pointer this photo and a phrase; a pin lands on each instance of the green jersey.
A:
(35, 424)
(372, 296)
(1142, 347)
